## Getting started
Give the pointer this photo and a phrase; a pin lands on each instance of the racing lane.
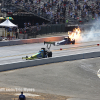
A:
(11, 54)
(76, 79)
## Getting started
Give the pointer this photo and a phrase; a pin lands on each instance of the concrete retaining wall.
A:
(48, 61)
(28, 41)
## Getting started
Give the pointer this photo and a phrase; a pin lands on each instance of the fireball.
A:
(75, 34)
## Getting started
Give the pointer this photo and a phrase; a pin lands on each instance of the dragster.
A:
(70, 39)
(65, 41)
(43, 53)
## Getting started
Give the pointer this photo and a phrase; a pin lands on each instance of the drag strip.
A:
(76, 79)
(53, 50)
(11, 54)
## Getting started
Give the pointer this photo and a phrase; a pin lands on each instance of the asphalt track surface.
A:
(11, 54)
(75, 79)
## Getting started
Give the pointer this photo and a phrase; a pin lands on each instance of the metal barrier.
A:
(51, 29)
(46, 29)
(32, 32)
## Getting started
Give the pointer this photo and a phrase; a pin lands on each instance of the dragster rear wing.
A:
(49, 43)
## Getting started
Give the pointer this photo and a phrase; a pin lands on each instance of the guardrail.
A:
(28, 41)
(17, 65)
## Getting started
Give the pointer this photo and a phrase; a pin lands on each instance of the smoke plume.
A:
(91, 33)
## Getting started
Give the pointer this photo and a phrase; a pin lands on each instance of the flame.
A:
(75, 34)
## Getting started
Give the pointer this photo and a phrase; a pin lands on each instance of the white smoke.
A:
(92, 33)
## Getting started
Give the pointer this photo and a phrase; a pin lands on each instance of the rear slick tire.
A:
(49, 54)
(73, 42)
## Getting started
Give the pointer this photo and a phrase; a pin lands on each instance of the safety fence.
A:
(45, 29)
(52, 28)
(33, 31)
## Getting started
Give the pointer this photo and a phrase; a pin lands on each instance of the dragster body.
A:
(65, 41)
(43, 53)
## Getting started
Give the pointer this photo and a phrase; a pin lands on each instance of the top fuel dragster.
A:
(43, 53)
(65, 41)
(70, 39)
